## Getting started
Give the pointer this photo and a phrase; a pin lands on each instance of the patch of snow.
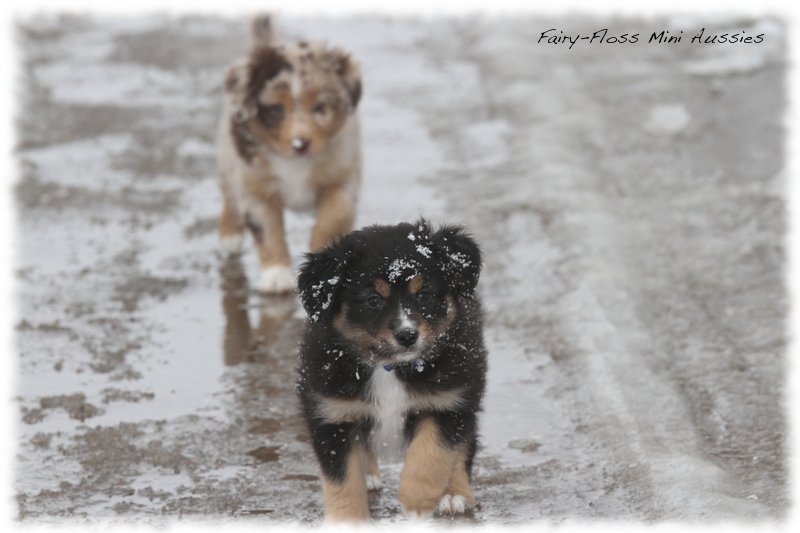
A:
(727, 65)
(398, 266)
(669, 119)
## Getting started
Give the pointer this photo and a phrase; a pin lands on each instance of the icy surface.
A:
(668, 119)
(629, 201)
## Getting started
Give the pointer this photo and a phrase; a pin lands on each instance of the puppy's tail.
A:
(262, 34)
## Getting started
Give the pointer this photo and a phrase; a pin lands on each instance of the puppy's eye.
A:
(319, 108)
(271, 112)
(374, 301)
(423, 297)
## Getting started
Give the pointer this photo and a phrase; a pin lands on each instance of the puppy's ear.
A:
(236, 89)
(320, 280)
(243, 83)
(349, 73)
(460, 257)
(245, 80)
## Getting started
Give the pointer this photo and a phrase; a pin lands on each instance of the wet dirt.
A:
(633, 283)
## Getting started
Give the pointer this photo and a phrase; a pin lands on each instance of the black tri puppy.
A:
(393, 358)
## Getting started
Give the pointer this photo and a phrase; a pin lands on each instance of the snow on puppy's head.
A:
(397, 255)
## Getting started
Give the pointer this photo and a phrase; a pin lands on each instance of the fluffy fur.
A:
(392, 354)
(289, 137)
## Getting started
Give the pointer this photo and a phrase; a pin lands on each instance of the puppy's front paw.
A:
(417, 506)
(276, 280)
(452, 504)
(374, 482)
(415, 516)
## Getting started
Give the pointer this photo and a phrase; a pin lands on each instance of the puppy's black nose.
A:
(406, 337)
(300, 145)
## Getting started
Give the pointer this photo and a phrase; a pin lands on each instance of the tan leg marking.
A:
(230, 223)
(335, 216)
(265, 220)
(347, 501)
(269, 233)
(272, 248)
(428, 468)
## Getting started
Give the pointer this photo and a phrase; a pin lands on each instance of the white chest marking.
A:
(391, 405)
(293, 174)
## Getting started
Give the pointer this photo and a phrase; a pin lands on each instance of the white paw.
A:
(450, 504)
(416, 516)
(276, 280)
(374, 482)
(233, 244)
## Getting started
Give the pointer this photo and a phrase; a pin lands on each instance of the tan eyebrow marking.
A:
(382, 288)
(415, 285)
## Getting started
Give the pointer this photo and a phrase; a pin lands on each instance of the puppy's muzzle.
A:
(300, 145)
(406, 337)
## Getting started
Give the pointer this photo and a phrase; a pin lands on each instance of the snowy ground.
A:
(630, 200)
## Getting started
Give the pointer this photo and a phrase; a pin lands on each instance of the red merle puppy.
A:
(393, 360)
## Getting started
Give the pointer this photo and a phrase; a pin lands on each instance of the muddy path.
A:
(630, 201)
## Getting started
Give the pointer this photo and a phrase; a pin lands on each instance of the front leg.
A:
(230, 225)
(458, 496)
(343, 458)
(265, 221)
(335, 214)
(428, 469)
